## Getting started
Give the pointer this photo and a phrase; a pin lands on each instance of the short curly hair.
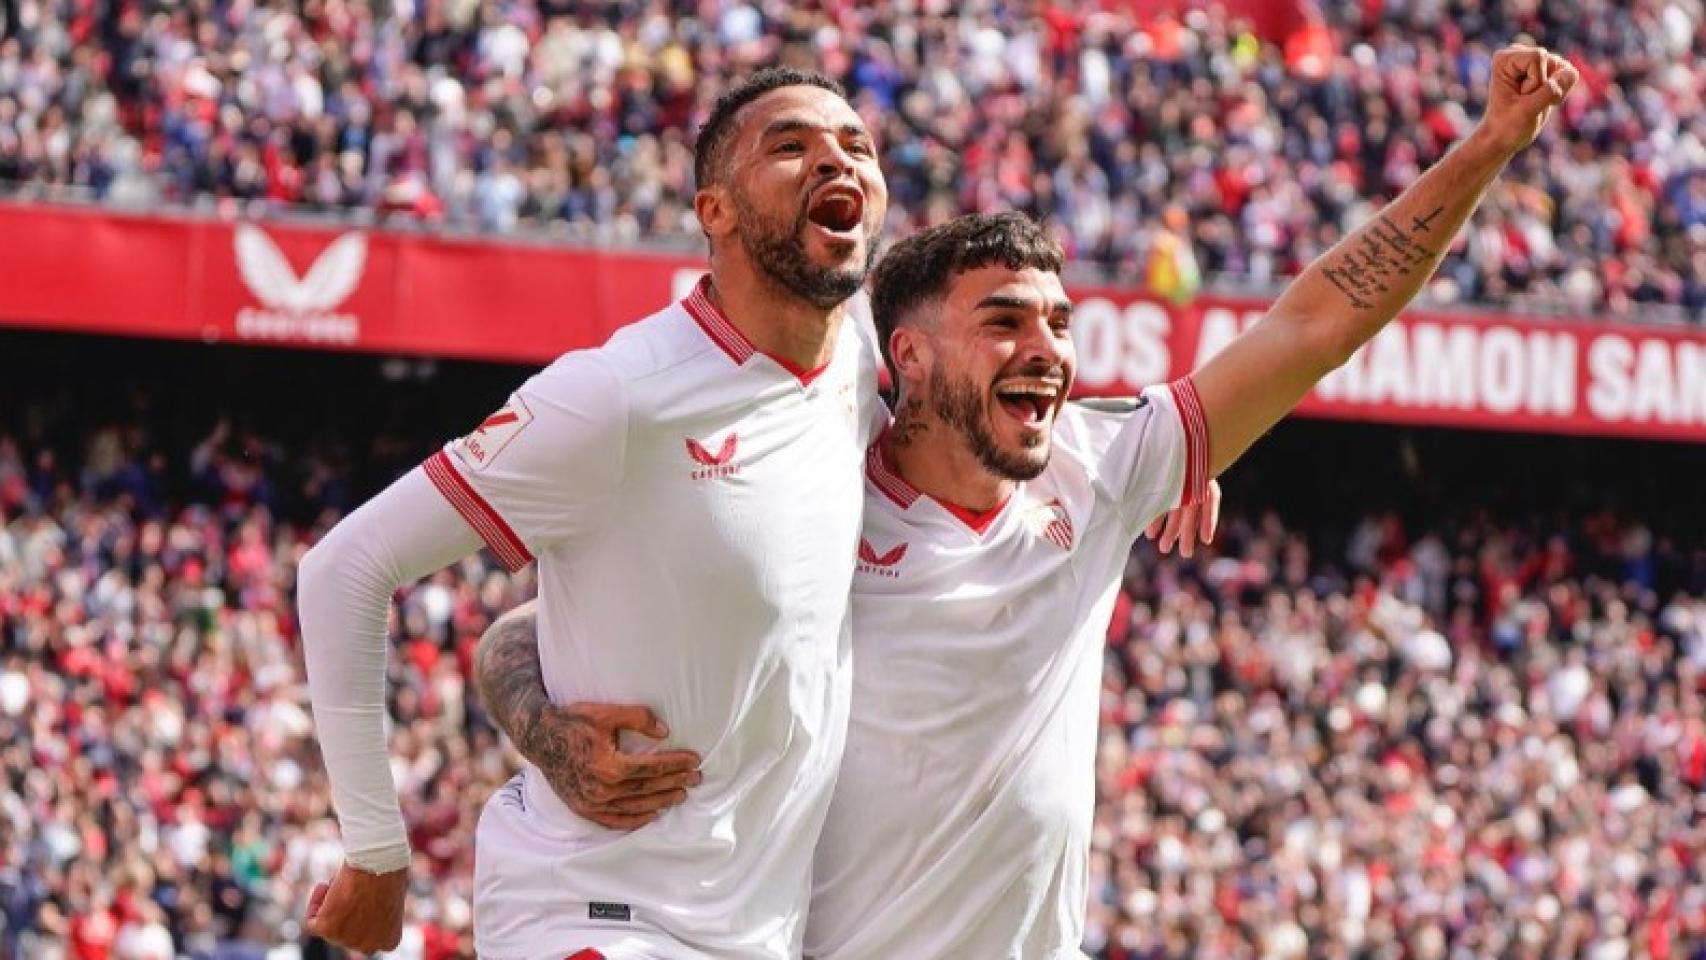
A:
(711, 147)
(916, 271)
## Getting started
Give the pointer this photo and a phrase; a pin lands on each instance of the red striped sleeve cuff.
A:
(1189, 405)
(504, 544)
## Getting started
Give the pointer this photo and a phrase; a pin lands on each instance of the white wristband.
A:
(382, 860)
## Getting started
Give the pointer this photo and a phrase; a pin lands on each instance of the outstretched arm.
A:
(577, 747)
(1351, 292)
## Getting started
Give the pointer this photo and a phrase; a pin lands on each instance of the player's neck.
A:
(935, 460)
(774, 321)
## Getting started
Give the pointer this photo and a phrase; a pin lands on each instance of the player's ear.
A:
(715, 211)
(910, 348)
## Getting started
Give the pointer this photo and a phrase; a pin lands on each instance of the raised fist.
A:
(1527, 83)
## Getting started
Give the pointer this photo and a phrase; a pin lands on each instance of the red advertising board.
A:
(407, 293)
(340, 289)
(1489, 371)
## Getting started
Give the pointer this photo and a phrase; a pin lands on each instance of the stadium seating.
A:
(1131, 135)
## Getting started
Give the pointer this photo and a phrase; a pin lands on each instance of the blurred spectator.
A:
(1312, 759)
(162, 793)
(576, 119)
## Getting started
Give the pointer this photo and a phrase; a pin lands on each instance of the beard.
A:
(961, 405)
(778, 251)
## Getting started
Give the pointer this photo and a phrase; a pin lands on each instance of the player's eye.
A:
(789, 146)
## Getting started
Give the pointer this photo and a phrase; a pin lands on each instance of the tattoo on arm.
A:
(1381, 252)
(564, 746)
(557, 740)
(512, 683)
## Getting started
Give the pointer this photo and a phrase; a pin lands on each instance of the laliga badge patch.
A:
(1051, 522)
(495, 432)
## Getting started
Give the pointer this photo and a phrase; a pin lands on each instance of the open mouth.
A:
(838, 209)
(1028, 401)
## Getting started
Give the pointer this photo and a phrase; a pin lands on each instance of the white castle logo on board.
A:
(298, 308)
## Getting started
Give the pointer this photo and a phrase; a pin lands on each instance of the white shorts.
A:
(523, 910)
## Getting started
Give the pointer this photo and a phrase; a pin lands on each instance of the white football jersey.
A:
(960, 826)
(694, 507)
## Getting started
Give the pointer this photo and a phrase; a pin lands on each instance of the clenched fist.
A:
(1527, 82)
(359, 910)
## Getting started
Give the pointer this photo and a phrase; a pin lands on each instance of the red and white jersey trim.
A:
(716, 326)
(505, 545)
(728, 337)
(1185, 397)
(884, 478)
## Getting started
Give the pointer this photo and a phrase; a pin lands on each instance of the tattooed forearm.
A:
(1349, 293)
(560, 741)
(1424, 224)
(1371, 274)
(511, 681)
(1378, 254)
(575, 746)
(564, 746)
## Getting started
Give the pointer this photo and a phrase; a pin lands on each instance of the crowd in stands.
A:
(1481, 740)
(161, 794)
(1161, 149)
(1476, 738)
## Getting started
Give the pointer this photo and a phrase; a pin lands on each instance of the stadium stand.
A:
(1376, 719)
(1438, 696)
(1161, 149)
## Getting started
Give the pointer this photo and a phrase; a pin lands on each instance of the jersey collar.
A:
(728, 337)
(884, 477)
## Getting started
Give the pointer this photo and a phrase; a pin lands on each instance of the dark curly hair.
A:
(916, 271)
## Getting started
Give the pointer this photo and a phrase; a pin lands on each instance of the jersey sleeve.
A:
(1147, 454)
(536, 472)
(343, 589)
